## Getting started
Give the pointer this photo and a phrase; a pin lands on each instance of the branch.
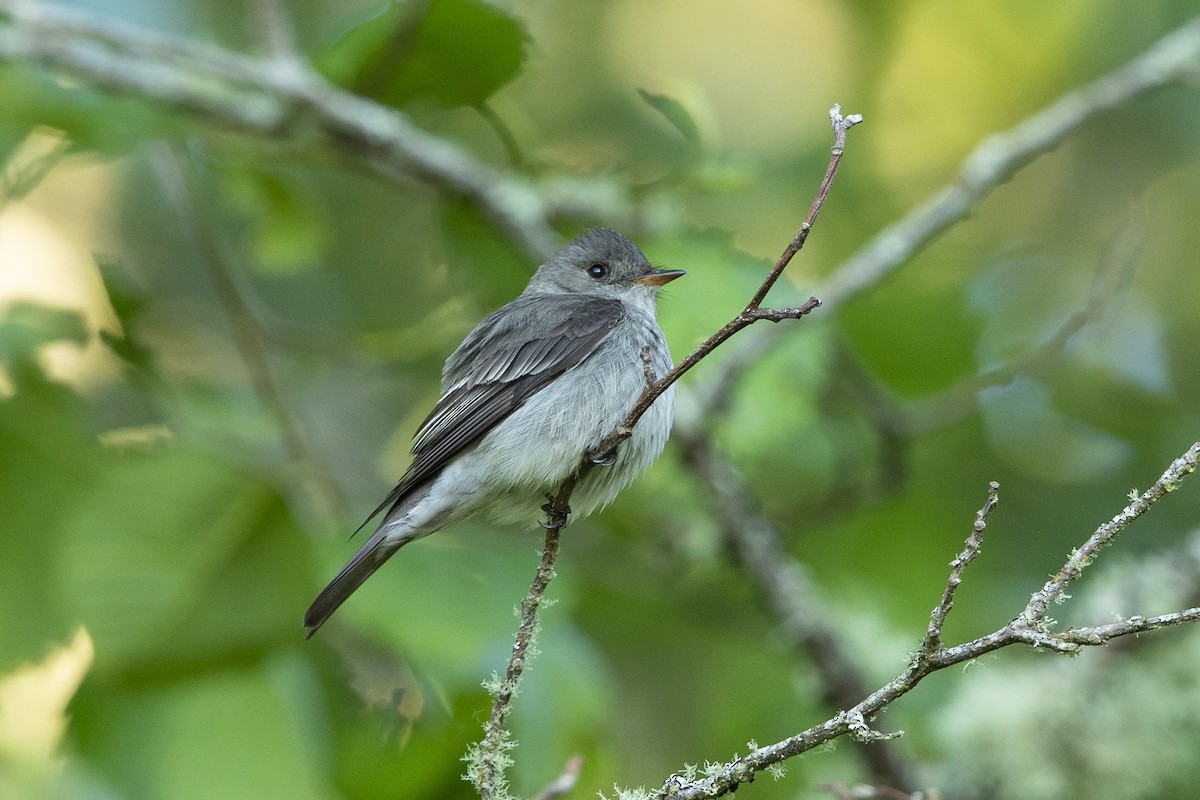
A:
(1034, 614)
(1030, 627)
(1174, 59)
(281, 97)
(488, 759)
(949, 405)
(937, 620)
(753, 312)
(789, 594)
(249, 336)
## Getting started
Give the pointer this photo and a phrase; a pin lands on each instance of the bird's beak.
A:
(657, 277)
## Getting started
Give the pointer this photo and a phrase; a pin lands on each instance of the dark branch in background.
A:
(1174, 59)
(488, 759)
(1031, 627)
(790, 596)
(248, 335)
(781, 579)
(952, 404)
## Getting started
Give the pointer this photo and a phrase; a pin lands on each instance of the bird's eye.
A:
(597, 271)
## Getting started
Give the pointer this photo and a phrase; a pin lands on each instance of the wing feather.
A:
(510, 356)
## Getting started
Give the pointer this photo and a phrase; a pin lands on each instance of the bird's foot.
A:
(556, 517)
(605, 459)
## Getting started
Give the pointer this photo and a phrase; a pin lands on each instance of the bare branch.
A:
(840, 125)
(937, 620)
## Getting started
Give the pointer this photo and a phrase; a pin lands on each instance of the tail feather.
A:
(369, 558)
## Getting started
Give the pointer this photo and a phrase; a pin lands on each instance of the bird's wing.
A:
(510, 356)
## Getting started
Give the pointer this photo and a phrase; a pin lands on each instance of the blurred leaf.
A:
(458, 52)
(288, 227)
(127, 300)
(46, 461)
(675, 113)
(229, 734)
(91, 120)
(178, 556)
(25, 327)
(1026, 428)
(30, 161)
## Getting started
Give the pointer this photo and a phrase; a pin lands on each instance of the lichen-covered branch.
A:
(488, 759)
(789, 595)
(1030, 627)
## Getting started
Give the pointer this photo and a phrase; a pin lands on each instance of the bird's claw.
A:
(556, 518)
(605, 459)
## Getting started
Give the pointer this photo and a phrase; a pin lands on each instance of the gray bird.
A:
(531, 391)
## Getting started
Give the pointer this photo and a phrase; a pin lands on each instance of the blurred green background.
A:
(215, 347)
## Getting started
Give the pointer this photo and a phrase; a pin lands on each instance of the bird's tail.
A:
(370, 557)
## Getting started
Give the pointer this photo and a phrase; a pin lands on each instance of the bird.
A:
(527, 396)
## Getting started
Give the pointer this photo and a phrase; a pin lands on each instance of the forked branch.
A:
(488, 759)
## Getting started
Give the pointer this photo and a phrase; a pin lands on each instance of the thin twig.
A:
(753, 312)
(937, 620)
(840, 125)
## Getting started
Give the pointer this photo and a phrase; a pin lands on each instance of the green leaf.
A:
(233, 733)
(459, 52)
(127, 300)
(47, 459)
(26, 327)
(676, 114)
(176, 557)
(91, 120)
